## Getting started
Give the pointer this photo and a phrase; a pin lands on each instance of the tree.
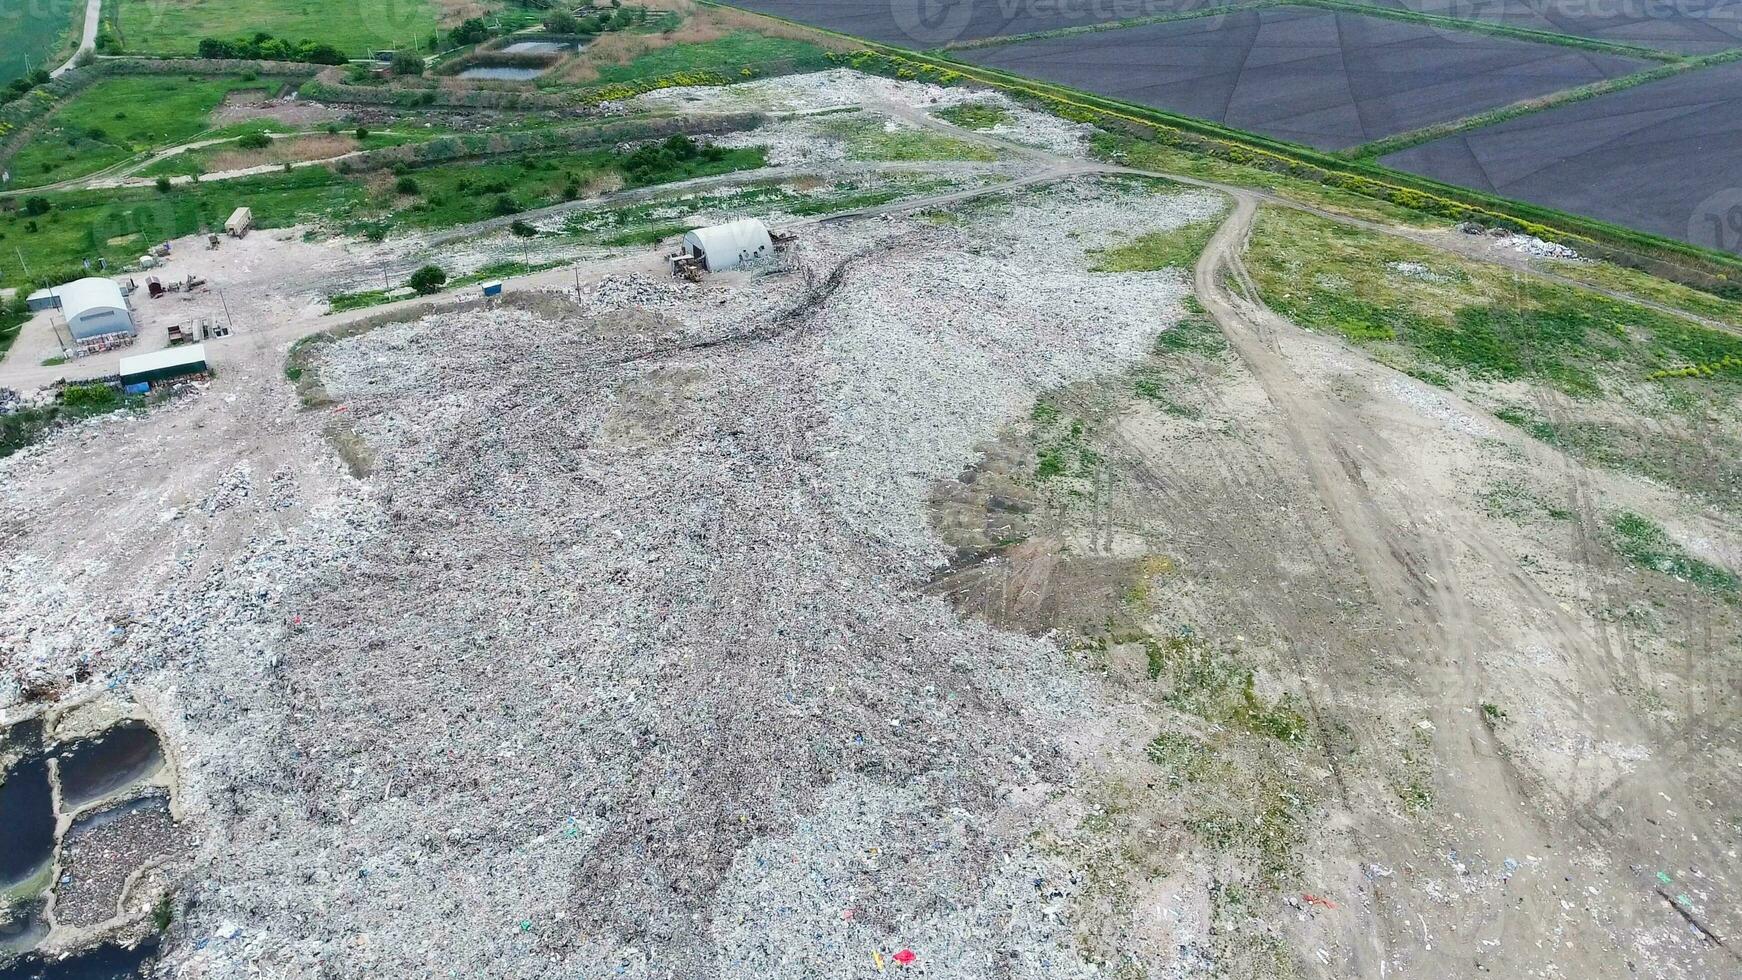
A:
(428, 279)
(407, 63)
(560, 21)
(470, 31)
(36, 205)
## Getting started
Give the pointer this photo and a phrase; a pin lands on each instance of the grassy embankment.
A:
(38, 34)
(1599, 378)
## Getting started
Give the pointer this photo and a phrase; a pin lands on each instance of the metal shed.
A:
(42, 299)
(174, 362)
(94, 306)
(728, 246)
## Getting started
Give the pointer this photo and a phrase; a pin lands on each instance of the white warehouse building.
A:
(728, 246)
(94, 306)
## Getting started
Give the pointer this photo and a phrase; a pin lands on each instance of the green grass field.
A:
(725, 54)
(120, 225)
(117, 119)
(176, 26)
(36, 34)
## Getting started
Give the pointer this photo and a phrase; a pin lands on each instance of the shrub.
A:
(470, 31)
(407, 63)
(254, 141)
(362, 133)
(522, 229)
(428, 279)
(37, 205)
(162, 185)
(504, 206)
(406, 185)
(561, 22)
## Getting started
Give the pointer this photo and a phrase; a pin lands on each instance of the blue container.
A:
(493, 289)
(138, 388)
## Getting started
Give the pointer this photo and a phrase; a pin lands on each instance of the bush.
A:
(470, 31)
(37, 205)
(428, 279)
(264, 47)
(254, 141)
(406, 185)
(162, 185)
(407, 63)
(522, 229)
(504, 206)
(362, 133)
(561, 22)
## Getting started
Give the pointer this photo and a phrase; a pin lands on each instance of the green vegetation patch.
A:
(175, 27)
(1062, 450)
(468, 191)
(1701, 460)
(119, 225)
(974, 115)
(28, 426)
(740, 54)
(1175, 249)
(870, 139)
(1426, 309)
(13, 313)
(281, 150)
(35, 34)
(1645, 544)
(118, 118)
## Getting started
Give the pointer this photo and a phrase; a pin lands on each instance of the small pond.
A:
(93, 768)
(540, 47)
(502, 73)
(26, 809)
(108, 961)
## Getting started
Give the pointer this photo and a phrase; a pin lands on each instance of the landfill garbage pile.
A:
(615, 662)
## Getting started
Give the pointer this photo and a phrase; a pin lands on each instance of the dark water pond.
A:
(105, 962)
(95, 767)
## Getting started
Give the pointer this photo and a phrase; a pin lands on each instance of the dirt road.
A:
(1456, 593)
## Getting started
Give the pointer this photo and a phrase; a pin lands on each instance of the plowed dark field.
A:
(1318, 77)
(1661, 157)
(928, 23)
(1684, 26)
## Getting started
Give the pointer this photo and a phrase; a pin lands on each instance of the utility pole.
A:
(227, 320)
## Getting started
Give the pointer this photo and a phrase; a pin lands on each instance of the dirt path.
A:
(1422, 562)
(88, 41)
